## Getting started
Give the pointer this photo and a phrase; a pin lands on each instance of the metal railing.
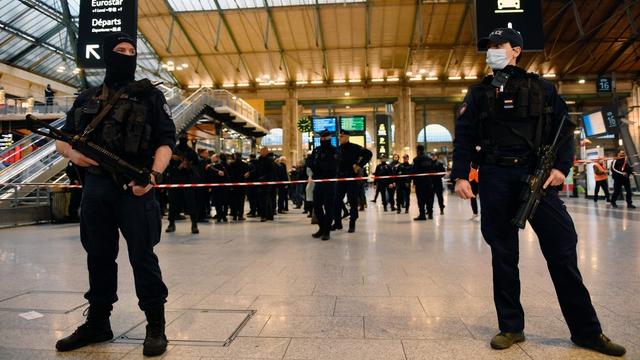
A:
(37, 105)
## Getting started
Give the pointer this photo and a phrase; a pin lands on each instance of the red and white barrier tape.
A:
(251, 183)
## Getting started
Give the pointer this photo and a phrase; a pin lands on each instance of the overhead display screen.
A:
(328, 123)
(316, 141)
(524, 16)
(352, 123)
(594, 124)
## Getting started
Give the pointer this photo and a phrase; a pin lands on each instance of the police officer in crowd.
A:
(217, 173)
(138, 128)
(403, 185)
(436, 180)
(382, 185)
(252, 191)
(283, 189)
(422, 164)
(265, 170)
(621, 172)
(508, 116)
(324, 161)
(238, 168)
(391, 190)
(353, 158)
(183, 170)
(203, 193)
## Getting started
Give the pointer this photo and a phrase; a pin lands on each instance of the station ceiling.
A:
(254, 43)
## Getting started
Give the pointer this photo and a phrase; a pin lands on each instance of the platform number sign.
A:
(97, 19)
(610, 120)
(604, 84)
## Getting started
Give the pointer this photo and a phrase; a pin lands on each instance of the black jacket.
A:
(352, 154)
(422, 164)
(324, 162)
(383, 169)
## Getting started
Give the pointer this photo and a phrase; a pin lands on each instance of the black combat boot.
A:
(601, 344)
(318, 233)
(171, 227)
(155, 342)
(96, 329)
(352, 226)
(420, 217)
(194, 228)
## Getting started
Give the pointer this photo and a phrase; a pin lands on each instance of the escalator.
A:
(44, 163)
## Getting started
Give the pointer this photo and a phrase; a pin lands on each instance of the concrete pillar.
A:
(291, 137)
(405, 126)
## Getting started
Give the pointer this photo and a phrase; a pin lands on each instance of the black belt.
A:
(505, 160)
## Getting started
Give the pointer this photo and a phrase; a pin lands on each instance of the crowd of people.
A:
(621, 171)
(191, 166)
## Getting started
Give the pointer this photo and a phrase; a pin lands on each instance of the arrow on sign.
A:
(91, 50)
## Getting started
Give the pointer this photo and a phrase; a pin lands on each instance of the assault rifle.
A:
(533, 191)
(122, 171)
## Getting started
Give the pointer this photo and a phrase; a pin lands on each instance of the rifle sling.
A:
(105, 110)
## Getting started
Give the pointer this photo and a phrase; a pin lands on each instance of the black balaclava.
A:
(121, 69)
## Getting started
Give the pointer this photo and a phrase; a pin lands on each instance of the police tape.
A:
(248, 183)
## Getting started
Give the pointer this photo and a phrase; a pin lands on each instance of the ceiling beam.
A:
(233, 40)
(46, 36)
(73, 40)
(458, 34)
(630, 41)
(47, 10)
(367, 37)
(417, 13)
(283, 60)
(320, 38)
(175, 18)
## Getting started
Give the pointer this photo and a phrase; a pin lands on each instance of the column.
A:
(291, 138)
(405, 127)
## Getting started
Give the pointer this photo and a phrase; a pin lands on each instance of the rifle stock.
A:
(111, 163)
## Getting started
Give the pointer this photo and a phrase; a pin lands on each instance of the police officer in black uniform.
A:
(403, 185)
(382, 185)
(265, 170)
(422, 164)
(324, 161)
(436, 180)
(139, 128)
(238, 169)
(252, 191)
(507, 117)
(353, 158)
(183, 170)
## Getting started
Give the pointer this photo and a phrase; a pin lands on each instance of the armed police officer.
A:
(422, 164)
(137, 126)
(507, 118)
(324, 161)
(353, 158)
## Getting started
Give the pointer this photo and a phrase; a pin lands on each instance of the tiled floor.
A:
(396, 289)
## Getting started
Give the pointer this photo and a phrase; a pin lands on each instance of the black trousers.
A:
(605, 186)
(220, 199)
(237, 201)
(183, 198)
(617, 190)
(105, 210)
(266, 199)
(252, 197)
(500, 188)
(75, 199)
(474, 201)
(283, 198)
(424, 193)
(391, 196)
(204, 206)
(403, 195)
(352, 190)
(324, 204)
(437, 191)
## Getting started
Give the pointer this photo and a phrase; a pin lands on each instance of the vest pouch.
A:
(135, 129)
(111, 135)
(121, 110)
(522, 104)
(536, 100)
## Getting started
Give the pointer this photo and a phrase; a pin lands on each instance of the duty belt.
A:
(490, 159)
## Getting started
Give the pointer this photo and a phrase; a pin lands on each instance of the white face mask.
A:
(497, 59)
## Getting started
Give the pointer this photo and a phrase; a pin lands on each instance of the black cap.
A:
(325, 133)
(110, 41)
(501, 36)
(344, 132)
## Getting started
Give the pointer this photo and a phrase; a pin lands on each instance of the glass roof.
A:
(199, 5)
(33, 37)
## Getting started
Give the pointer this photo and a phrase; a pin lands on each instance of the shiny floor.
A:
(396, 289)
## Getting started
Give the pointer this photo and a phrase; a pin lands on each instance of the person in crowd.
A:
(382, 185)
(403, 185)
(238, 168)
(49, 95)
(203, 193)
(324, 161)
(601, 175)
(509, 135)
(622, 171)
(112, 204)
(218, 173)
(182, 170)
(422, 164)
(391, 189)
(353, 158)
(283, 189)
(436, 181)
(252, 191)
(265, 171)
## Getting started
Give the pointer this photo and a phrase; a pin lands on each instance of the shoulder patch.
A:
(167, 109)
(463, 108)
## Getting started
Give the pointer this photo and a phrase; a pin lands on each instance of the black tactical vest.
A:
(516, 116)
(126, 130)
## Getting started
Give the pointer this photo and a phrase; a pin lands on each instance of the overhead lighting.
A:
(347, 93)
(470, 77)
(423, 71)
(243, 85)
(185, 65)
(455, 78)
(76, 71)
(354, 81)
(416, 78)
(193, 86)
(265, 77)
(265, 83)
(348, 107)
(228, 85)
(317, 82)
(464, 91)
(570, 102)
(179, 68)
(61, 69)
(302, 82)
(549, 75)
(582, 81)
(207, 85)
(377, 80)
(393, 79)
(431, 78)
(279, 83)
(409, 73)
(340, 81)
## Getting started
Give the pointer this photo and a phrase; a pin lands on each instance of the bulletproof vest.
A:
(125, 130)
(515, 116)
